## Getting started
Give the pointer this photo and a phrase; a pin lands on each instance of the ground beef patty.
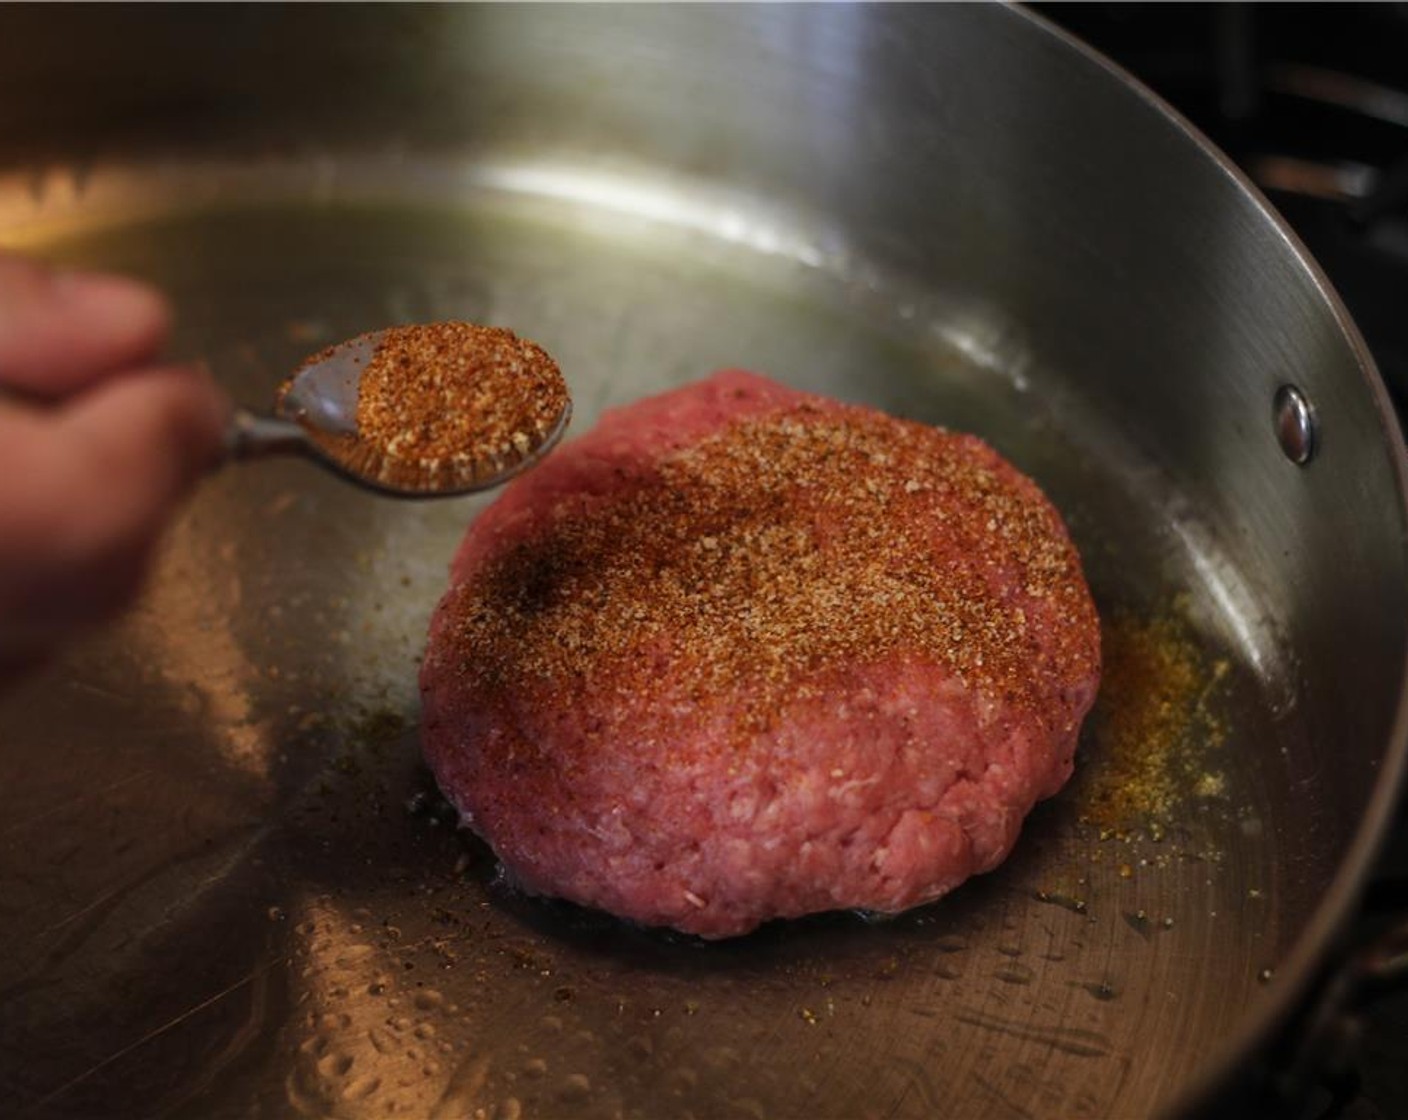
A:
(743, 653)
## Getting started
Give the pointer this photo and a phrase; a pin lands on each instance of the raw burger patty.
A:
(743, 653)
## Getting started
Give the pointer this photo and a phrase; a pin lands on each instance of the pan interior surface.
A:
(231, 890)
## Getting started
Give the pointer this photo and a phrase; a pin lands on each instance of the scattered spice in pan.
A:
(1153, 731)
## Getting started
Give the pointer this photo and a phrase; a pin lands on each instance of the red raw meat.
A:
(743, 653)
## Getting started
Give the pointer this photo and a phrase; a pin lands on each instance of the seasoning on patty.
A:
(744, 653)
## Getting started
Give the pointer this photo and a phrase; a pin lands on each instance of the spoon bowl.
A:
(316, 415)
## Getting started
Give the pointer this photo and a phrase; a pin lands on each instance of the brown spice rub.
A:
(788, 546)
(446, 405)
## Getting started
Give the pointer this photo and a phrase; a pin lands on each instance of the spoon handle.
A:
(252, 436)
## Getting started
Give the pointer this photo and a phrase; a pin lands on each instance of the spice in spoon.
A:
(444, 406)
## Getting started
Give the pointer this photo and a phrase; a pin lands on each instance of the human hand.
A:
(98, 446)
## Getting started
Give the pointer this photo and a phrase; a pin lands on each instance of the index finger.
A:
(85, 492)
(61, 332)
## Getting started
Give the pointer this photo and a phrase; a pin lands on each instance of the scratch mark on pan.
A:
(74, 936)
(105, 693)
(1068, 1040)
(118, 1055)
(238, 1042)
(92, 795)
(101, 901)
(1003, 1097)
(79, 926)
(918, 1083)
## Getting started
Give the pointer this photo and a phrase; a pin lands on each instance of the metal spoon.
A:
(315, 416)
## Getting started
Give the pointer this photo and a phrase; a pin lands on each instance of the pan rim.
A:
(1329, 922)
(1314, 944)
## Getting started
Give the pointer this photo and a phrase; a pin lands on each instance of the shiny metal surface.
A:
(1294, 418)
(228, 887)
(250, 435)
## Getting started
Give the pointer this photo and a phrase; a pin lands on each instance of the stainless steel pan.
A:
(227, 886)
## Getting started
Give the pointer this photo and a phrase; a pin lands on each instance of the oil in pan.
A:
(253, 901)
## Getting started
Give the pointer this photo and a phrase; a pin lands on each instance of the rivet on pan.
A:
(1294, 417)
